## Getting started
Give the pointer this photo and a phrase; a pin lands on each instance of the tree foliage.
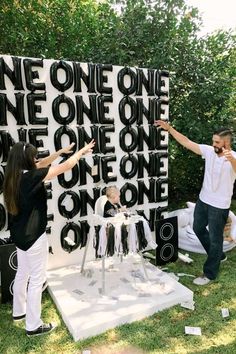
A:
(154, 34)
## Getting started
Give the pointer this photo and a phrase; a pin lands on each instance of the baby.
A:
(112, 206)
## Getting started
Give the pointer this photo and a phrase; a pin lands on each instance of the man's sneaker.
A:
(43, 329)
(203, 280)
(18, 318)
(223, 258)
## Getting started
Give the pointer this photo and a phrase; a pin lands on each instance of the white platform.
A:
(129, 297)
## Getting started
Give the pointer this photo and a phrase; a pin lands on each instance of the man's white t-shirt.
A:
(219, 177)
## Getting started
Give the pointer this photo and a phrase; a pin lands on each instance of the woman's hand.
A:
(46, 161)
(70, 162)
(88, 148)
(68, 149)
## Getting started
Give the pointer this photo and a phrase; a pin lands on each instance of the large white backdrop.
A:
(52, 103)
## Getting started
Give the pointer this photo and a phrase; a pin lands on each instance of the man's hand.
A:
(164, 125)
(228, 155)
(180, 138)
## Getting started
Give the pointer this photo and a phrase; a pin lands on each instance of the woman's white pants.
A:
(29, 279)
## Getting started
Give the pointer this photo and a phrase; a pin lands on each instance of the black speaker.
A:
(167, 240)
(8, 267)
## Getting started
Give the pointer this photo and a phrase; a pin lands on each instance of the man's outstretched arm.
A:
(180, 138)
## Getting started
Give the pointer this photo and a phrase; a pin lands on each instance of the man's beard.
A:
(218, 150)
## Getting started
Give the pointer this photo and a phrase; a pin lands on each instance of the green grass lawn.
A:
(163, 332)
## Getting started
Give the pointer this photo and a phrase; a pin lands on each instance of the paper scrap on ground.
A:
(77, 291)
(225, 312)
(193, 330)
(93, 282)
(185, 257)
(149, 255)
(185, 275)
(188, 305)
(86, 352)
(137, 274)
(144, 295)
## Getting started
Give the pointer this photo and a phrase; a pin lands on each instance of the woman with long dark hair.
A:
(26, 203)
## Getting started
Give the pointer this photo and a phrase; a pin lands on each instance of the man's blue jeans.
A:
(211, 238)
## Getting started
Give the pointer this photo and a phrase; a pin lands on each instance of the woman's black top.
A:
(30, 223)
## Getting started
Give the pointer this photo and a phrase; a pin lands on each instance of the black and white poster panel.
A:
(167, 240)
(52, 103)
